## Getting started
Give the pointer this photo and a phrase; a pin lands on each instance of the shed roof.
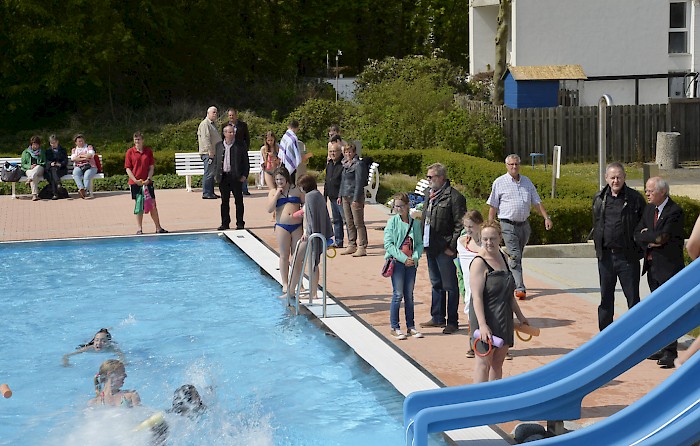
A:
(547, 72)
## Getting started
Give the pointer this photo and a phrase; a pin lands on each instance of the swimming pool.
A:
(185, 309)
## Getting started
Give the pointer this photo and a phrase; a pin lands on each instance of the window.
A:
(678, 28)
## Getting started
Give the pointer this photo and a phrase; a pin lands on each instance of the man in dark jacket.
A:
(240, 128)
(617, 209)
(442, 224)
(331, 189)
(660, 233)
(232, 168)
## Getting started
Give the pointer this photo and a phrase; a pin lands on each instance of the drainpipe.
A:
(605, 101)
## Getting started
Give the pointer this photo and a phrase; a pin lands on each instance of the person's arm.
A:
(151, 170)
(26, 161)
(477, 282)
(518, 312)
(683, 356)
(359, 185)
(693, 245)
(246, 165)
(134, 397)
(547, 219)
(459, 208)
(493, 212)
(66, 362)
(272, 197)
(391, 244)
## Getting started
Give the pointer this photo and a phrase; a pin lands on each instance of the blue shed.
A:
(537, 86)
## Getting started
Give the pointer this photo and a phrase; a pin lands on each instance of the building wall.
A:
(482, 36)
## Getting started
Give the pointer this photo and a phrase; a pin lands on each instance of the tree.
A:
(501, 47)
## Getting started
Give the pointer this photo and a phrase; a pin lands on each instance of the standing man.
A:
(289, 151)
(511, 197)
(139, 165)
(331, 188)
(617, 209)
(660, 234)
(208, 136)
(231, 172)
(242, 135)
(442, 224)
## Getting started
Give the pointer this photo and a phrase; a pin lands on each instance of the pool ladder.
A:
(307, 254)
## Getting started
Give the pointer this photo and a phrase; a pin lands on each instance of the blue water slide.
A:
(668, 415)
(555, 391)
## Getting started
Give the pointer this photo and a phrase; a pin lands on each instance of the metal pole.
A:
(605, 101)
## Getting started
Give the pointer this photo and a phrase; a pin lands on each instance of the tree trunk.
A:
(501, 47)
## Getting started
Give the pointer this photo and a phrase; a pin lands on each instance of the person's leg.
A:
(296, 269)
(482, 368)
(409, 282)
(337, 218)
(135, 190)
(439, 296)
(154, 211)
(225, 191)
(448, 279)
(358, 215)
(237, 189)
(669, 352)
(284, 241)
(208, 178)
(53, 179)
(244, 188)
(269, 181)
(496, 370)
(78, 178)
(628, 272)
(87, 178)
(608, 279)
(512, 249)
(35, 175)
(352, 230)
(397, 285)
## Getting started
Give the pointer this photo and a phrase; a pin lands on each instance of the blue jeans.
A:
(402, 281)
(443, 277)
(338, 221)
(82, 180)
(208, 178)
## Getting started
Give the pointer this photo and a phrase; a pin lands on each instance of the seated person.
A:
(101, 342)
(33, 162)
(56, 165)
(108, 386)
(83, 155)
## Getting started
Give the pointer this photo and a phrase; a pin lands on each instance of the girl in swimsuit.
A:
(270, 159)
(108, 386)
(468, 246)
(101, 342)
(285, 200)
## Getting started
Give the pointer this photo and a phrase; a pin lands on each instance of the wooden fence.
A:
(631, 135)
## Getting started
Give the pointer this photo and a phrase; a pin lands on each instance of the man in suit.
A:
(660, 234)
(241, 130)
(232, 170)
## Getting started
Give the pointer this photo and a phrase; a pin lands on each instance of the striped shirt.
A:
(512, 198)
(289, 151)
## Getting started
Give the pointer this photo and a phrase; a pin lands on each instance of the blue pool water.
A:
(186, 309)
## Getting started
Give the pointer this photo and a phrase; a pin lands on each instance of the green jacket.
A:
(394, 233)
(28, 159)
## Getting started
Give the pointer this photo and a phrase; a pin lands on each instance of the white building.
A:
(637, 51)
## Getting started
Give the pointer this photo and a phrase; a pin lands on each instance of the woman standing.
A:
(403, 242)
(493, 304)
(85, 168)
(352, 197)
(270, 159)
(468, 246)
(284, 201)
(316, 220)
(33, 162)
(108, 386)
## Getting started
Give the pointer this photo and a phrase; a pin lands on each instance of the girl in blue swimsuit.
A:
(284, 201)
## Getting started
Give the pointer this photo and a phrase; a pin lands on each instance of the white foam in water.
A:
(131, 320)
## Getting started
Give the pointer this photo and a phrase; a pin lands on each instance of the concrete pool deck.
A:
(562, 292)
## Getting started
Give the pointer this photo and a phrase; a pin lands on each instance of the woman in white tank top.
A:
(468, 246)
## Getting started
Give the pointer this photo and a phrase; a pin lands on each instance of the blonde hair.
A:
(108, 368)
(492, 224)
(474, 216)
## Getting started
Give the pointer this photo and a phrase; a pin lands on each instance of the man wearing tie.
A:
(289, 151)
(660, 234)
(241, 130)
(232, 170)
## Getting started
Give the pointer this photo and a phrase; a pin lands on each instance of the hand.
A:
(524, 321)
(139, 182)
(65, 361)
(355, 205)
(485, 332)
(304, 237)
(410, 262)
(339, 201)
(449, 252)
(243, 179)
(548, 224)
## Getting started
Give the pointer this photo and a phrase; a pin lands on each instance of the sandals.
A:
(139, 232)
(161, 231)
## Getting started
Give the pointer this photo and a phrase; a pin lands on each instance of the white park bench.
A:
(372, 183)
(190, 163)
(421, 186)
(67, 177)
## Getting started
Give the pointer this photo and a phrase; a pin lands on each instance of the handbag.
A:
(390, 262)
(148, 201)
(138, 207)
(10, 172)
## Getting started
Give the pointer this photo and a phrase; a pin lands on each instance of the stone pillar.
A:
(668, 145)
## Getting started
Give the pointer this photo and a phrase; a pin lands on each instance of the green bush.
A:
(413, 69)
(316, 115)
(471, 133)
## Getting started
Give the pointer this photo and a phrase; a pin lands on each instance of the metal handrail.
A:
(307, 253)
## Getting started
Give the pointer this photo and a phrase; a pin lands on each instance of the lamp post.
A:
(339, 53)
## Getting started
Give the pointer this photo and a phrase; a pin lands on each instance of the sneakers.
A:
(509, 356)
(449, 329)
(82, 193)
(349, 250)
(397, 334)
(470, 353)
(432, 324)
(361, 252)
(415, 333)
(520, 295)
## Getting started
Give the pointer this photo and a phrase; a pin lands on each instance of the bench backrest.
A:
(19, 161)
(421, 186)
(188, 162)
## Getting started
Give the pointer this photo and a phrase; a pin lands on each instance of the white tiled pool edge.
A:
(394, 367)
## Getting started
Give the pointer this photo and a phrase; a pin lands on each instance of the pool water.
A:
(184, 309)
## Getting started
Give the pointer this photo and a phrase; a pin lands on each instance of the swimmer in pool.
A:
(101, 342)
(285, 200)
(108, 386)
(186, 401)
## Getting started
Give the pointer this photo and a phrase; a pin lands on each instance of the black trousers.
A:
(613, 266)
(672, 348)
(230, 184)
(53, 176)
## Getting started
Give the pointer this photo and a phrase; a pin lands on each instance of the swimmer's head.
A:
(102, 339)
(112, 371)
(186, 400)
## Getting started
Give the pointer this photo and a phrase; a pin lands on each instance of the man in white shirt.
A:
(208, 136)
